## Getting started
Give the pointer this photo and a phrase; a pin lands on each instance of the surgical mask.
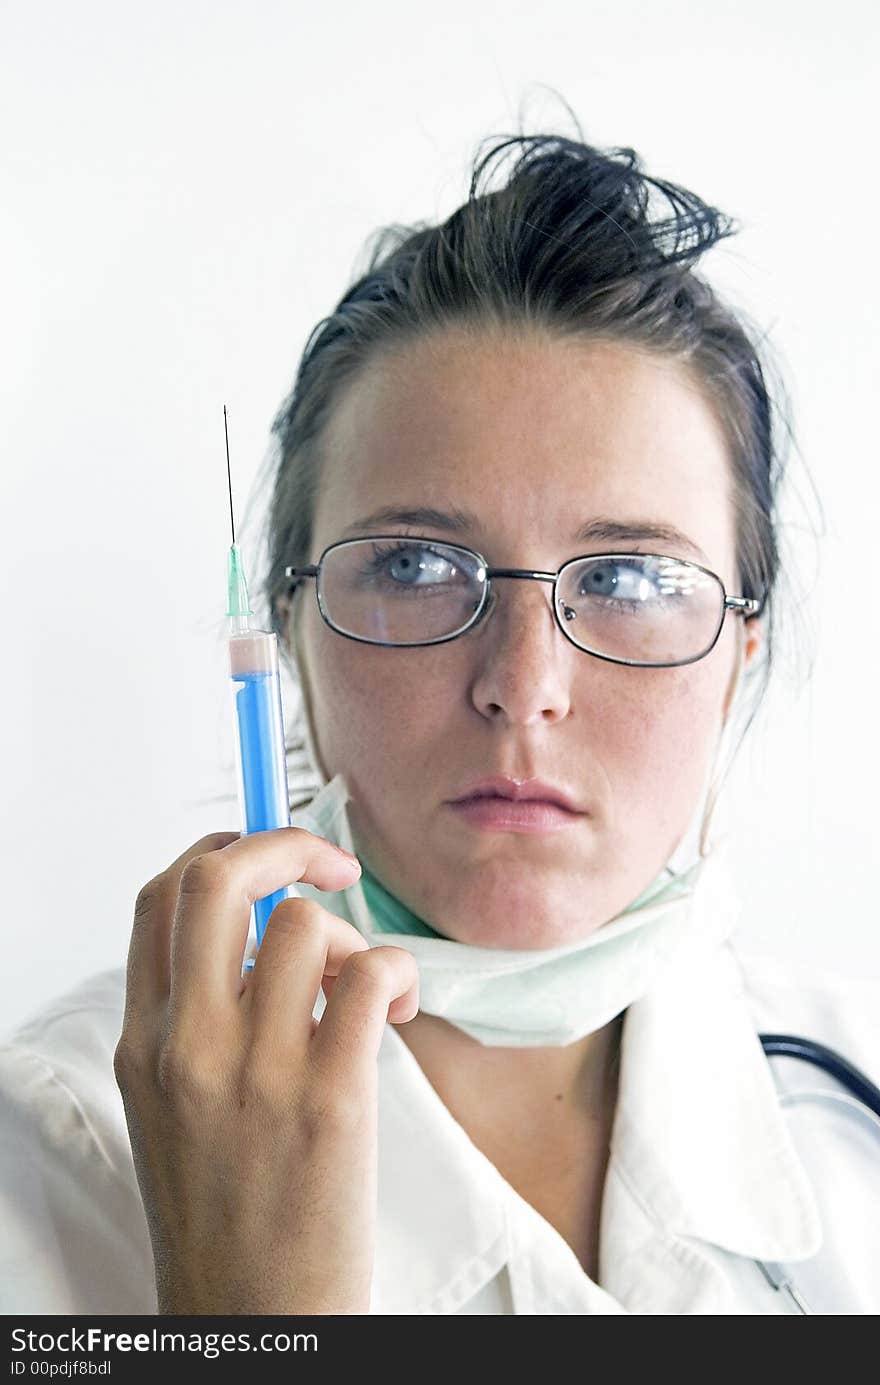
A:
(545, 996)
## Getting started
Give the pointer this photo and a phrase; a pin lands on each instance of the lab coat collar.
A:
(700, 1152)
(700, 1147)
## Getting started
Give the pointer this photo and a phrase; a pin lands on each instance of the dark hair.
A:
(577, 241)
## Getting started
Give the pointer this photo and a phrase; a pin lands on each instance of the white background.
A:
(187, 189)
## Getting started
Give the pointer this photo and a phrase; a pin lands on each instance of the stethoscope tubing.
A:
(851, 1077)
(857, 1084)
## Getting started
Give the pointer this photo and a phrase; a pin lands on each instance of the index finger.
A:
(150, 963)
(148, 971)
(215, 894)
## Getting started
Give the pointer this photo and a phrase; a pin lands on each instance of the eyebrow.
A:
(458, 521)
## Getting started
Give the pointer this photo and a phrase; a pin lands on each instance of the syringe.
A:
(260, 753)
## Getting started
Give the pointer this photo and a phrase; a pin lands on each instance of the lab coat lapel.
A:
(700, 1157)
(700, 1150)
(442, 1228)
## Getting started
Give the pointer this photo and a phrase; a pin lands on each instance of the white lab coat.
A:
(705, 1171)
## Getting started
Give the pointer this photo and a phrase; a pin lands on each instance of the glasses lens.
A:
(640, 607)
(399, 590)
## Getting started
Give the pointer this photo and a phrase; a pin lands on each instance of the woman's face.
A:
(535, 436)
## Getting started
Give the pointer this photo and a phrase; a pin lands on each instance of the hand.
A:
(253, 1126)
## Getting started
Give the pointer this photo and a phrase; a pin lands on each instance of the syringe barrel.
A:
(260, 754)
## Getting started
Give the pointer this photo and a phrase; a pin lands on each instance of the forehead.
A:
(534, 433)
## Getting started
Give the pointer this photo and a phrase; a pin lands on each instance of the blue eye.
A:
(621, 581)
(405, 562)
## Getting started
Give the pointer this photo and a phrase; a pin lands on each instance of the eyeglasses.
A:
(645, 609)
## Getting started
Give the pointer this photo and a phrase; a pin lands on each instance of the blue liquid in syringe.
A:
(263, 767)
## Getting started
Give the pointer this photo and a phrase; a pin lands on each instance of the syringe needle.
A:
(229, 474)
(238, 608)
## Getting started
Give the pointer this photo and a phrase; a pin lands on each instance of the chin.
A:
(531, 923)
(526, 939)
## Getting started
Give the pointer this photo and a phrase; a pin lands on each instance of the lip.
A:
(507, 815)
(520, 791)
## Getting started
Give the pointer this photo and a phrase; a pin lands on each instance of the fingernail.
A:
(348, 856)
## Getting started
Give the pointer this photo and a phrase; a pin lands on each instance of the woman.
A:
(502, 1101)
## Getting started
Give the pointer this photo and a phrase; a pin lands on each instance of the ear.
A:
(750, 641)
(755, 635)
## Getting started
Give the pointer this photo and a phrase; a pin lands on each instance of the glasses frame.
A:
(745, 606)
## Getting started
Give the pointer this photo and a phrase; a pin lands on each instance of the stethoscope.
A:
(861, 1094)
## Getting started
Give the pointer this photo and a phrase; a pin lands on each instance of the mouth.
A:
(492, 812)
(518, 790)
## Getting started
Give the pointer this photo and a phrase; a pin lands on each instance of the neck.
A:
(578, 1078)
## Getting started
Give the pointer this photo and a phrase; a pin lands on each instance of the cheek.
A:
(656, 739)
(385, 705)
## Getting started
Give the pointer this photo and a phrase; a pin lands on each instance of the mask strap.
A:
(707, 845)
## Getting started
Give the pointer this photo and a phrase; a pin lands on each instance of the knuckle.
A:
(302, 834)
(130, 1065)
(321, 1112)
(205, 874)
(188, 1076)
(148, 896)
(215, 841)
(261, 1085)
(305, 913)
(407, 962)
(368, 970)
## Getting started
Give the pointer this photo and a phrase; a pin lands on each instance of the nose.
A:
(523, 668)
